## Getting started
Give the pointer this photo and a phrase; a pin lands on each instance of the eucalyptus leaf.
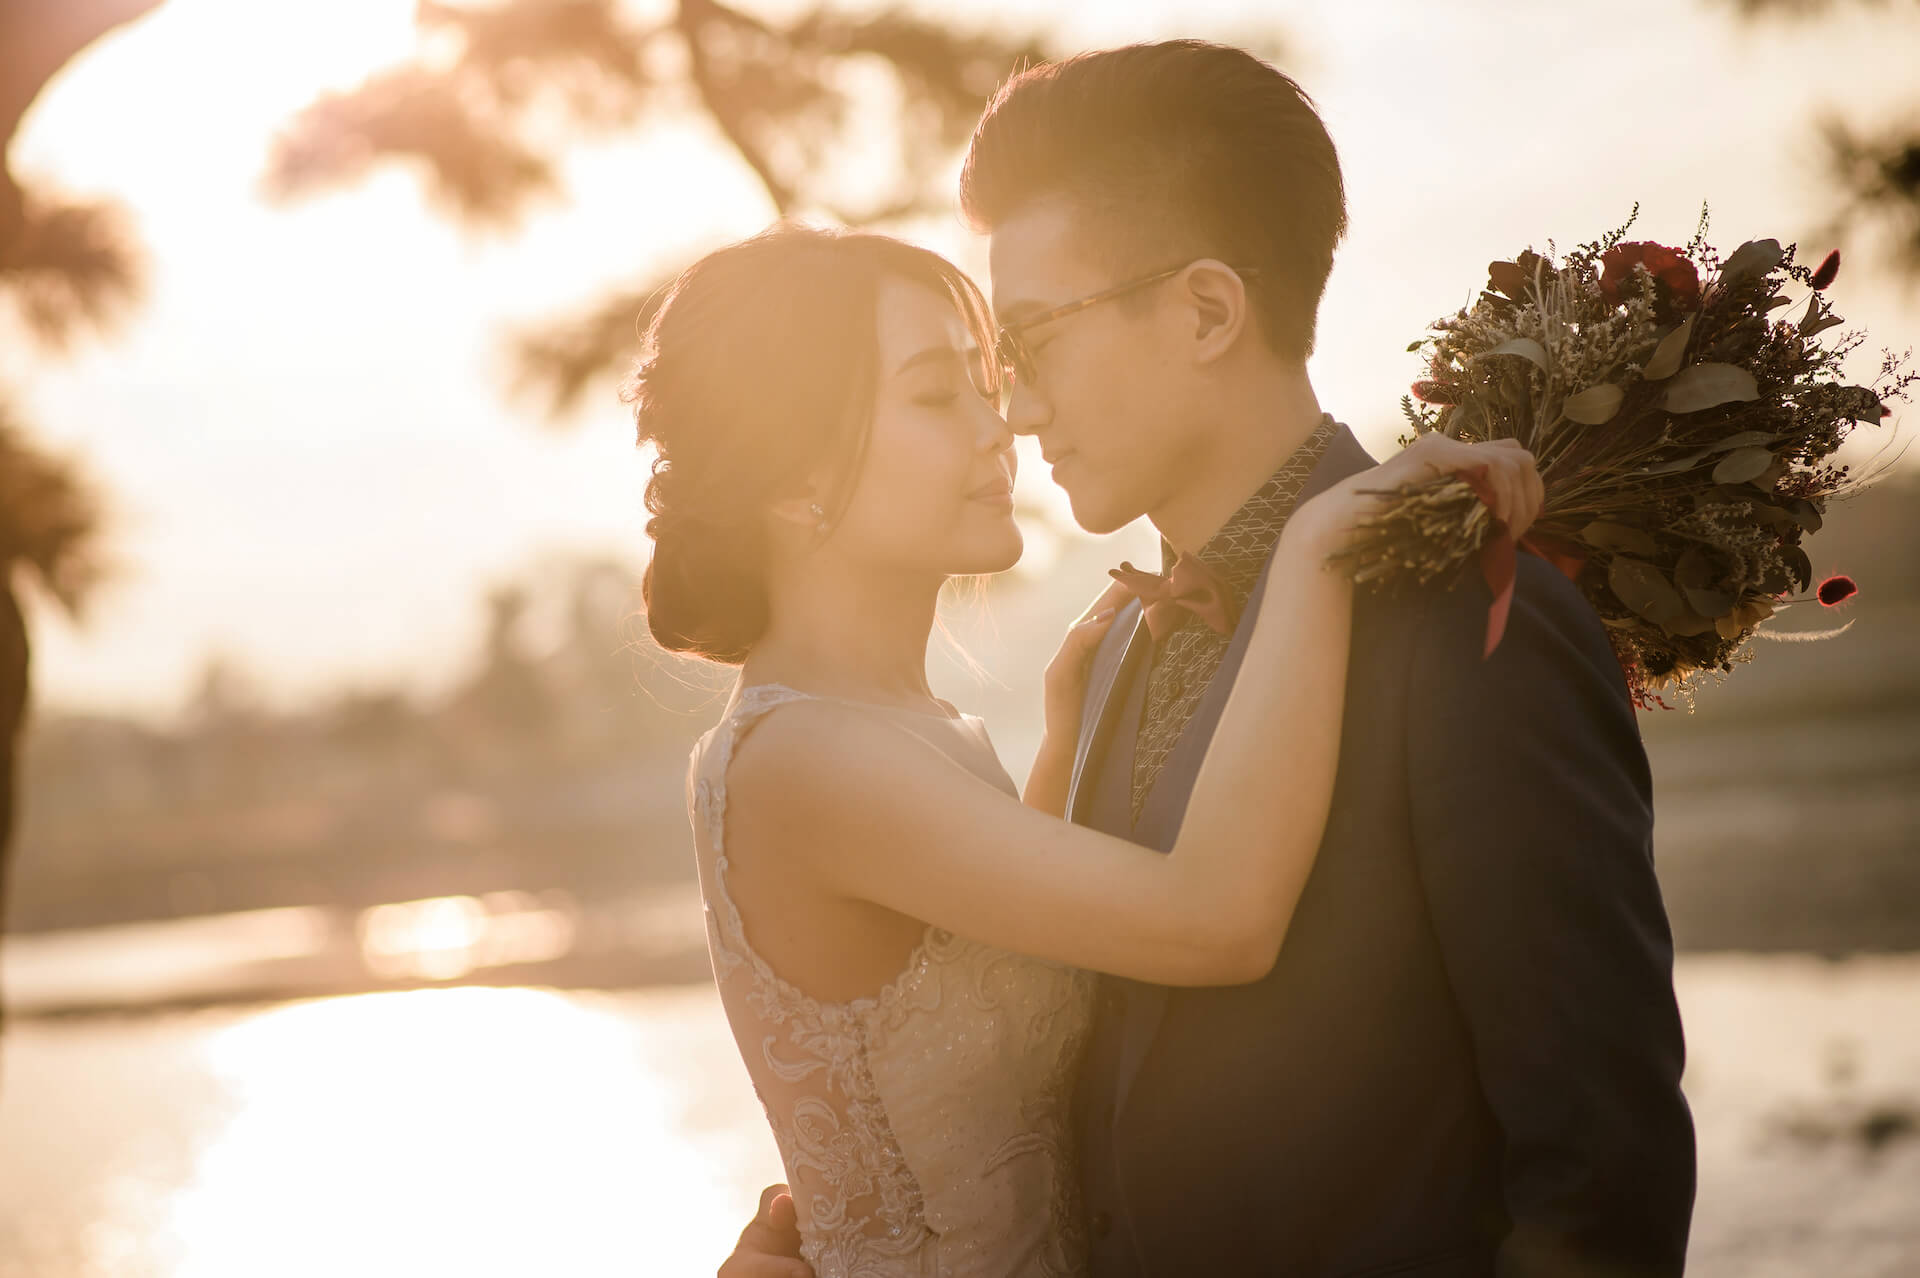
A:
(1688, 623)
(1755, 257)
(1742, 465)
(1668, 354)
(1526, 348)
(1595, 405)
(1709, 385)
(1806, 514)
(1641, 587)
(1604, 534)
(1674, 465)
(1869, 410)
(1741, 439)
(1695, 570)
(1708, 602)
(1799, 565)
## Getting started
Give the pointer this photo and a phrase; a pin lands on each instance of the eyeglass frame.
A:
(1010, 350)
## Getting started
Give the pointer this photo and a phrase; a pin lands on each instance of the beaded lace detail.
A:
(925, 1129)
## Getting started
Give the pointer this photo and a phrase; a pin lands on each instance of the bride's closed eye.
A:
(937, 398)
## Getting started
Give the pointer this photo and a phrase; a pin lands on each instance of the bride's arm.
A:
(881, 815)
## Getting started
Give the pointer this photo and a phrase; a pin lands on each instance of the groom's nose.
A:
(1027, 412)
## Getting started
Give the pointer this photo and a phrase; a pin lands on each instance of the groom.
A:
(1467, 1059)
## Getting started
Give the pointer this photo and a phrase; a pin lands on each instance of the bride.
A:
(904, 943)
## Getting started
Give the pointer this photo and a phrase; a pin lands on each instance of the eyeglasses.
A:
(1010, 347)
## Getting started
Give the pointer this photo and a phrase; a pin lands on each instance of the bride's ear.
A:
(803, 512)
(1216, 301)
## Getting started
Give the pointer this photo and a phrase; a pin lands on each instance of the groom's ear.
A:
(1215, 297)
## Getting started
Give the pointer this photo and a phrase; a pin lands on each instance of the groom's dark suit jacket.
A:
(1467, 1059)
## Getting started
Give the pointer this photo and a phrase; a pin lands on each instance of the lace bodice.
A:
(925, 1129)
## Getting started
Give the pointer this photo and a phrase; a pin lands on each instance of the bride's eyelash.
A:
(937, 399)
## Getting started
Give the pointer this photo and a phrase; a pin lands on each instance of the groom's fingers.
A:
(775, 1230)
(770, 1246)
(743, 1264)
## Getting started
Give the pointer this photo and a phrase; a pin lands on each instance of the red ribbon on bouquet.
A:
(1499, 561)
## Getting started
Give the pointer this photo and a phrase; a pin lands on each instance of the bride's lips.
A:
(997, 493)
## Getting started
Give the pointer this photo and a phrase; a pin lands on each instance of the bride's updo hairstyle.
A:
(761, 364)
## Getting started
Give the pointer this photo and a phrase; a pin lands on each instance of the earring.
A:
(820, 516)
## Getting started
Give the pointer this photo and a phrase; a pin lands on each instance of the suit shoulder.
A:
(1551, 627)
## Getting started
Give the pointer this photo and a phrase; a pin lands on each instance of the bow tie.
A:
(1191, 588)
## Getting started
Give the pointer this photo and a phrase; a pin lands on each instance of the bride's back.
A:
(924, 1122)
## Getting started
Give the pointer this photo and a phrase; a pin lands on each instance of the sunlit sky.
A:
(304, 436)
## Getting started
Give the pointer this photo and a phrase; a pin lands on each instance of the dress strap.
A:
(709, 802)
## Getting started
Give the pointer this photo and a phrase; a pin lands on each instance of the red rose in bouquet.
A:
(1675, 279)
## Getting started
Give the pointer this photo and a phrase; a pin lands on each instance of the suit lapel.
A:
(1166, 803)
(1159, 826)
(1122, 651)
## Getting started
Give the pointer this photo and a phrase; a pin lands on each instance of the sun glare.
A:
(224, 73)
(464, 1131)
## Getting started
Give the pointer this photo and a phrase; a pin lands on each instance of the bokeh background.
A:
(350, 918)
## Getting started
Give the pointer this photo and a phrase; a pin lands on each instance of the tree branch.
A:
(692, 19)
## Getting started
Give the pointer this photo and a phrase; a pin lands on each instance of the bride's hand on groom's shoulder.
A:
(769, 1246)
(1511, 482)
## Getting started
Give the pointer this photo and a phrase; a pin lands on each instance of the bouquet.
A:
(1682, 409)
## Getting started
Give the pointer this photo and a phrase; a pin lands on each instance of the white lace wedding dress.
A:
(925, 1129)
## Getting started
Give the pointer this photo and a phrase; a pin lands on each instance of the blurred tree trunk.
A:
(63, 266)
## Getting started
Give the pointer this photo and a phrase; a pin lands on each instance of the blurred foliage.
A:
(65, 267)
(1874, 170)
(1806, 8)
(485, 110)
(1878, 176)
(48, 518)
(561, 741)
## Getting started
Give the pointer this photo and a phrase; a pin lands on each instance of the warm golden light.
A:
(444, 938)
(465, 1131)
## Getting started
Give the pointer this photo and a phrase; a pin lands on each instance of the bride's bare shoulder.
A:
(809, 753)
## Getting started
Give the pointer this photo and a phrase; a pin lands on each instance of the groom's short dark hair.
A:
(1172, 149)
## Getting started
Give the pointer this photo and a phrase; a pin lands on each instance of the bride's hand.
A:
(1066, 678)
(1511, 479)
(1066, 686)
